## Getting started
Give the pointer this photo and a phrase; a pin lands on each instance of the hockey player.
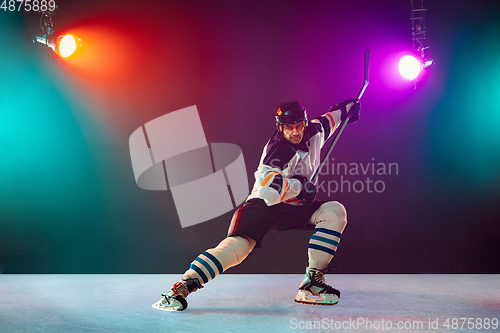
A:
(282, 198)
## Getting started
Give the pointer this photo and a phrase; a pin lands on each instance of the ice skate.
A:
(314, 290)
(175, 298)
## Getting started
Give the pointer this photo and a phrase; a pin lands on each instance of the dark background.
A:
(68, 199)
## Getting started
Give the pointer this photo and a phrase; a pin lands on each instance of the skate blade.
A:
(173, 306)
(306, 297)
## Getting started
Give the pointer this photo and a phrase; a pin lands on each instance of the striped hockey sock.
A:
(230, 252)
(205, 268)
(322, 247)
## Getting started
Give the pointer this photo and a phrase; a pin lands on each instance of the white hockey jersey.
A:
(281, 160)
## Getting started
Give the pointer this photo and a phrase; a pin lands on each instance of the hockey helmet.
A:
(290, 113)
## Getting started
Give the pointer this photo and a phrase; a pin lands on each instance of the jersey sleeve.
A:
(272, 183)
(274, 187)
(329, 121)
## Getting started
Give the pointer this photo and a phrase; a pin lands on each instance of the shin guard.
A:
(230, 252)
(330, 220)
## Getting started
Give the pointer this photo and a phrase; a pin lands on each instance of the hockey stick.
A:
(344, 123)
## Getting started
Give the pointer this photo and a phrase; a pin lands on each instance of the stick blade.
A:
(367, 64)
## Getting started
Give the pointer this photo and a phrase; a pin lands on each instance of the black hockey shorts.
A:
(256, 219)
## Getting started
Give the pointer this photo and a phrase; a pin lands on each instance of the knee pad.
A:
(331, 211)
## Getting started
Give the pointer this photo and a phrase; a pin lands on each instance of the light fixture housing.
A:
(64, 45)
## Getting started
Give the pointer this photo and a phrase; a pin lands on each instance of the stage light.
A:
(410, 67)
(66, 46)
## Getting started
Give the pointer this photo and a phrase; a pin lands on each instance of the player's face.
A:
(294, 132)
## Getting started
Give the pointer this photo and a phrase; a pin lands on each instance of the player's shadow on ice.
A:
(242, 310)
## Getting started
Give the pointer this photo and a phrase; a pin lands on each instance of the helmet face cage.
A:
(290, 113)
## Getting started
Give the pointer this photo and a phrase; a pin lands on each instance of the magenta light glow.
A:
(409, 67)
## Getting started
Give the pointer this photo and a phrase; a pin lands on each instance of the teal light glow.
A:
(54, 181)
(465, 136)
